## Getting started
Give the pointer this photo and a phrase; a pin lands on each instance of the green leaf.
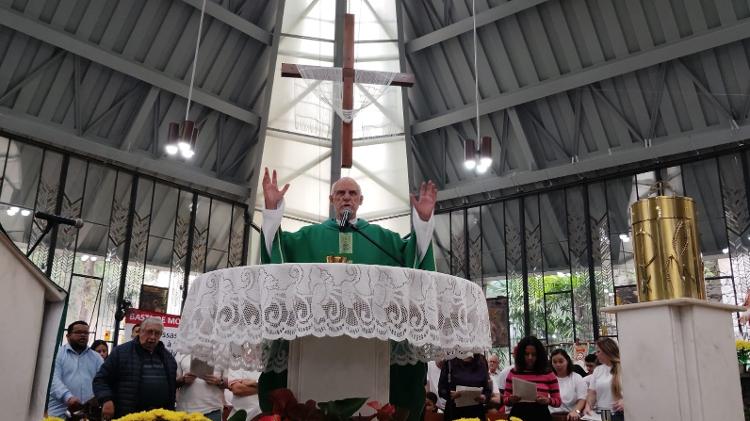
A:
(342, 409)
(238, 416)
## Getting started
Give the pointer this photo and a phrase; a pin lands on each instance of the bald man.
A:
(313, 243)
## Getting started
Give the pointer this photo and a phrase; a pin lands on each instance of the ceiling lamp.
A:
(470, 154)
(181, 138)
(482, 160)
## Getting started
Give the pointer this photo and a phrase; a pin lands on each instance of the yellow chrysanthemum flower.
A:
(163, 415)
(52, 419)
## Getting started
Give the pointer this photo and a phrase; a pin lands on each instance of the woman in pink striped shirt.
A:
(532, 365)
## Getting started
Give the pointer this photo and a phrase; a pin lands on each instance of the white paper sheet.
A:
(526, 390)
(468, 396)
(592, 417)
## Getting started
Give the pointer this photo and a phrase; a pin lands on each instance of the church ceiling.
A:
(105, 78)
(572, 86)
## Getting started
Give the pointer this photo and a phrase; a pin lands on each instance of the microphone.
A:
(57, 219)
(344, 221)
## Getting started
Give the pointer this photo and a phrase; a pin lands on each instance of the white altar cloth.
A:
(231, 316)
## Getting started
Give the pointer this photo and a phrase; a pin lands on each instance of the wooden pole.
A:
(348, 99)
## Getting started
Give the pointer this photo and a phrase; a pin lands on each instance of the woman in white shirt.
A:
(605, 387)
(572, 386)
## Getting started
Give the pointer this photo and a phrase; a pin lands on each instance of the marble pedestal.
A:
(679, 360)
(330, 368)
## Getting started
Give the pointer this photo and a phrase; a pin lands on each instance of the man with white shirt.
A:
(244, 387)
(201, 394)
(360, 242)
(75, 367)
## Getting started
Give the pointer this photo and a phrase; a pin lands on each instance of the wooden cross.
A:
(348, 73)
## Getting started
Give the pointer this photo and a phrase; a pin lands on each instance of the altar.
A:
(346, 323)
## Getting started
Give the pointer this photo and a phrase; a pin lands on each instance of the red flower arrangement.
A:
(286, 408)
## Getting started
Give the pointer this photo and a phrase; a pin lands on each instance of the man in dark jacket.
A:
(139, 375)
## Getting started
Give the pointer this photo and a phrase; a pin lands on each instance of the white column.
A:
(678, 360)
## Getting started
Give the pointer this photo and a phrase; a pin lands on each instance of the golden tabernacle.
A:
(665, 244)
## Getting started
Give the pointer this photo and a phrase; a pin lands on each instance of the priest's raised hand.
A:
(271, 192)
(425, 203)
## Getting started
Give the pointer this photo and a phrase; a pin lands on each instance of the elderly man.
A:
(348, 238)
(75, 367)
(139, 375)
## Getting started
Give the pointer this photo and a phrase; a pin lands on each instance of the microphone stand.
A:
(397, 260)
(46, 231)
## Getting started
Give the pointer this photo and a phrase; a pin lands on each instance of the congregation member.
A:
(605, 387)
(430, 404)
(75, 367)
(135, 330)
(472, 371)
(202, 394)
(139, 375)
(101, 348)
(433, 379)
(572, 387)
(244, 387)
(531, 364)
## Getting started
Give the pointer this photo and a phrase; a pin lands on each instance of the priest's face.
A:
(346, 194)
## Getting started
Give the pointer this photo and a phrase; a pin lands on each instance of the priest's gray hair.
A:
(333, 186)
(152, 321)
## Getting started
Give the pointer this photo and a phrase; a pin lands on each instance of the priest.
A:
(359, 242)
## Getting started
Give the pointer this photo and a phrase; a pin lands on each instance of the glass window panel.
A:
(200, 236)
(534, 262)
(441, 243)
(82, 303)
(474, 231)
(46, 201)
(314, 18)
(139, 240)
(97, 199)
(374, 20)
(91, 250)
(72, 199)
(701, 182)
(179, 251)
(458, 245)
(737, 216)
(21, 177)
(163, 214)
(218, 235)
(559, 320)
(115, 253)
(237, 246)
(579, 263)
(514, 264)
(493, 240)
(554, 237)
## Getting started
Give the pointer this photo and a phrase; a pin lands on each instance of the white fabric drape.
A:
(231, 316)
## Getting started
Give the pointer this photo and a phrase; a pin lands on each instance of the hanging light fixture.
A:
(470, 154)
(477, 160)
(181, 138)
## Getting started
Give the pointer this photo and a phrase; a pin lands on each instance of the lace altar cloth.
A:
(232, 317)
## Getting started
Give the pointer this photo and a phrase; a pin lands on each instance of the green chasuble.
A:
(312, 244)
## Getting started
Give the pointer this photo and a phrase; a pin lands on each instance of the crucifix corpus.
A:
(348, 76)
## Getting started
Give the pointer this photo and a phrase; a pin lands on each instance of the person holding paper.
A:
(466, 386)
(572, 386)
(201, 387)
(531, 366)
